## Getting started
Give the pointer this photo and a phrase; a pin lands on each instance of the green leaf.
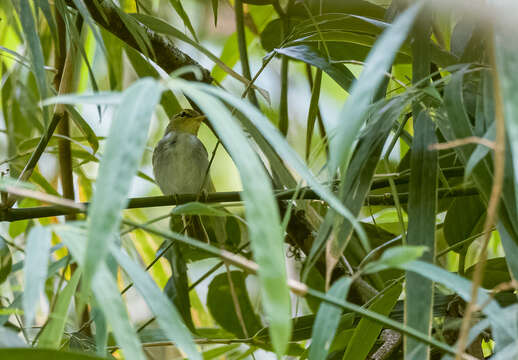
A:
(327, 320)
(88, 19)
(358, 7)
(506, 58)
(312, 56)
(229, 56)
(177, 287)
(185, 18)
(84, 127)
(197, 208)
(144, 68)
(124, 148)
(47, 12)
(355, 185)
(260, 209)
(367, 331)
(218, 351)
(53, 331)
(395, 257)
(162, 27)
(37, 60)
(462, 287)
(6, 261)
(44, 354)
(353, 113)
(313, 111)
(287, 153)
(101, 97)
(496, 272)
(35, 269)
(222, 307)
(422, 205)
(167, 316)
(480, 151)
(106, 291)
(463, 219)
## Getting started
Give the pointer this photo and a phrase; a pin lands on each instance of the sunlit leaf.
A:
(35, 269)
(124, 148)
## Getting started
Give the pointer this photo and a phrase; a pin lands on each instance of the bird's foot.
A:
(203, 195)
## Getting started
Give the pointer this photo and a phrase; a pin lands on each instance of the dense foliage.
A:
(365, 157)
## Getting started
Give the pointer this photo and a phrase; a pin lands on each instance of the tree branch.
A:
(219, 197)
(167, 55)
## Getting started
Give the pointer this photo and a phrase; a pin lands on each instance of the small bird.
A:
(180, 160)
(180, 163)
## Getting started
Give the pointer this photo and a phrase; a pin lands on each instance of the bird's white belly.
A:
(180, 164)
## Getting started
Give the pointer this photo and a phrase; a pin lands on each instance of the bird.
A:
(180, 166)
(180, 160)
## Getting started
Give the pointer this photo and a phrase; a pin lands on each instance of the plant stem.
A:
(243, 53)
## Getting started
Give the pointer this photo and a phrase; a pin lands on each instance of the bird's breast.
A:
(180, 162)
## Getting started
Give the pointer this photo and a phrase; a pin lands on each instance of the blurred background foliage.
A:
(383, 230)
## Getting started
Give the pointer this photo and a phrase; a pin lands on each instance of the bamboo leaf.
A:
(162, 27)
(260, 208)
(6, 261)
(286, 152)
(362, 92)
(185, 18)
(106, 291)
(37, 59)
(167, 316)
(327, 320)
(53, 331)
(124, 148)
(312, 56)
(395, 257)
(35, 269)
(367, 331)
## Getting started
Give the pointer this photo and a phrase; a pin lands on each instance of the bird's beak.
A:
(200, 119)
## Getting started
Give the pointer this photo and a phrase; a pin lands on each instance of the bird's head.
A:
(187, 120)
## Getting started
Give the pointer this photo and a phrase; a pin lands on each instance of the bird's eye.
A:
(183, 113)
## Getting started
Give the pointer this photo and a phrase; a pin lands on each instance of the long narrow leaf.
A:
(367, 331)
(287, 153)
(422, 202)
(266, 241)
(35, 269)
(37, 60)
(124, 148)
(327, 320)
(106, 291)
(352, 115)
(53, 332)
(310, 55)
(167, 316)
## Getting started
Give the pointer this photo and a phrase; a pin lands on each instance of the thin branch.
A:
(391, 341)
(67, 207)
(465, 141)
(44, 197)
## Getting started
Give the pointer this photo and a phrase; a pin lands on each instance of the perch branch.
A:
(219, 197)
